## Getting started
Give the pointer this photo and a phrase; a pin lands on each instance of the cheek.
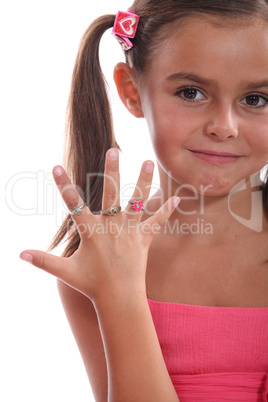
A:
(169, 127)
(256, 135)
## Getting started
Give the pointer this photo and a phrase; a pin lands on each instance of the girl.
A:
(169, 301)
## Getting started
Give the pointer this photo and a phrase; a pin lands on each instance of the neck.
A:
(214, 218)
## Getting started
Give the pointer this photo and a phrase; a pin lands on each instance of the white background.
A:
(39, 360)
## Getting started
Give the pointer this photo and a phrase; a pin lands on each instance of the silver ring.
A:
(77, 210)
(111, 211)
(137, 205)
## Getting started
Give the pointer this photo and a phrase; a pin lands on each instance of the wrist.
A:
(119, 297)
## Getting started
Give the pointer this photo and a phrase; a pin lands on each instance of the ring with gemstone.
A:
(111, 211)
(77, 210)
(137, 205)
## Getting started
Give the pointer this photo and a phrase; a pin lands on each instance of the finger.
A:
(56, 266)
(153, 225)
(111, 185)
(69, 193)
(142, 189)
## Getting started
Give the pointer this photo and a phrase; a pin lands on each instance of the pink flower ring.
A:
(137, 205)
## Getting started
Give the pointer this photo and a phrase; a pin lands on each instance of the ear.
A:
(125, 82)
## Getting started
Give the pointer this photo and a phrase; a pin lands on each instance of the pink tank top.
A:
(214, 353)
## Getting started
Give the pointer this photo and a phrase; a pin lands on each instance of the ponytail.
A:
(89, 129)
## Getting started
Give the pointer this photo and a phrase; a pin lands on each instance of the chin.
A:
(212, 186)
(223, 186)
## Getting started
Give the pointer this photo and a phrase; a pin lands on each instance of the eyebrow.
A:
(191, 77)
(205, 81)
(259, 84)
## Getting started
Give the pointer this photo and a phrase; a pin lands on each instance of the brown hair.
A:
(89, 126)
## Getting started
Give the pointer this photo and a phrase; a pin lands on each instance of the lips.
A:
(214, 157)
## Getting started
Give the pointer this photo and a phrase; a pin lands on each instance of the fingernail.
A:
(176, 201)
(57, 171)
(26, 257)
(149, 167)
(113, 154)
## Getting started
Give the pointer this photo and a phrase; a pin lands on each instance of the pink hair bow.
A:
(125, 26)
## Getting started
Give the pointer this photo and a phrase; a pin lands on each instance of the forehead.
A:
(214, 48)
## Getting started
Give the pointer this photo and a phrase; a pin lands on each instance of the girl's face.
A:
(205, 99)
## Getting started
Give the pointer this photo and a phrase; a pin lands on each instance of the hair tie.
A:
(125, 26)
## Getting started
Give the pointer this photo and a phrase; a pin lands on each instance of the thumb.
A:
(57, 266)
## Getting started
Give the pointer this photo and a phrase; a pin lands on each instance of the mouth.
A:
(214, 157)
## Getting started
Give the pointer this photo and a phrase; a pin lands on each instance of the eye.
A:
(190, 94)
(255, 100)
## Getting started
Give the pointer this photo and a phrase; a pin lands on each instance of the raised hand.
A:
(113, 251)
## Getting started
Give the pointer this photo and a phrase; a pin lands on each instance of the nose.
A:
(222, 123)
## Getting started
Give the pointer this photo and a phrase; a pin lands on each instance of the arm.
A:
(136, 368)
(83, 321)
(135, 363)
